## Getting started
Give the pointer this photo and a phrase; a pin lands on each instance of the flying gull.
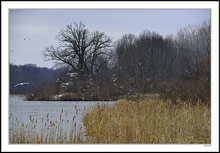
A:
(21, 84)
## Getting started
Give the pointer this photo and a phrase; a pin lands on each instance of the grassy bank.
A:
(149, 121)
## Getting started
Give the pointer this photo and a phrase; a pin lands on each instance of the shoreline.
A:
(64, 100)
(16, 95)
(71, 100)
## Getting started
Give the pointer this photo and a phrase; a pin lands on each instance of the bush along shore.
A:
(82, 97)
(69, 97)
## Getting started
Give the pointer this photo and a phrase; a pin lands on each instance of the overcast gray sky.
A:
(30, 31)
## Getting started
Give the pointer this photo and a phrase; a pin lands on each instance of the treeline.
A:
(178, 67)
(96, 68)
(24, 78)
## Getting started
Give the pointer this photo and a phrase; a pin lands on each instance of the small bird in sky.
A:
(21, 84)
(27, 39)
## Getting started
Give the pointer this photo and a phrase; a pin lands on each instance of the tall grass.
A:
(142, 119)
(46, 131)
(149, 121)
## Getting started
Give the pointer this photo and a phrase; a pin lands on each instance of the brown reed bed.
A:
(140, 120)
(149, 121)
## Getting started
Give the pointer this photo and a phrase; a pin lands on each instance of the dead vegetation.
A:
(149, 121)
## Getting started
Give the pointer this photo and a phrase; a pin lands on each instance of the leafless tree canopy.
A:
(79, 48)
(176, 65)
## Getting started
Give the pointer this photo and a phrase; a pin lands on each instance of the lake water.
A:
(39, 114)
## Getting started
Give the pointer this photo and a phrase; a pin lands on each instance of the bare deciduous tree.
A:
(80, 49)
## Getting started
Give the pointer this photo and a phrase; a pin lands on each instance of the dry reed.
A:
(149, 121)
(48, 132)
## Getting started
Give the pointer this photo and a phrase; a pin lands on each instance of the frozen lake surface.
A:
(39, 114)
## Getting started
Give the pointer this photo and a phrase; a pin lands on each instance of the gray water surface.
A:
(37, 113)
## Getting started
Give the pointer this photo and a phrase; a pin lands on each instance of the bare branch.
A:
(78, 47)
